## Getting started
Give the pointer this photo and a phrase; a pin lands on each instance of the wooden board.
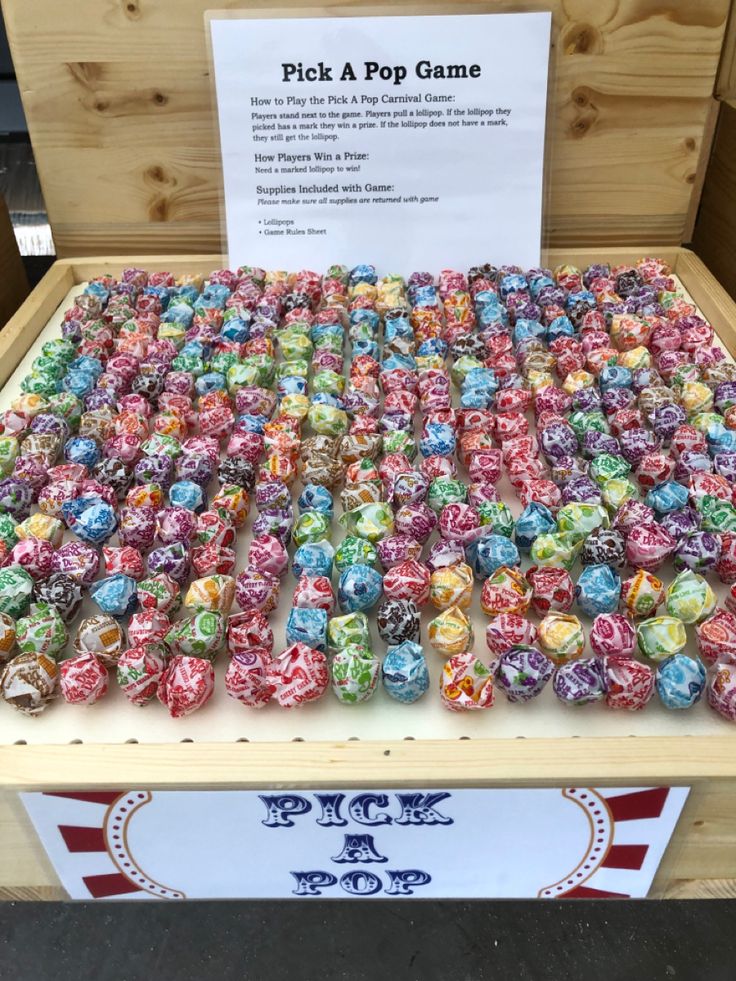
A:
(119, 105)
(726, 82)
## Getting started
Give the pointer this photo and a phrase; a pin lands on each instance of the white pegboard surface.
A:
(115, 720)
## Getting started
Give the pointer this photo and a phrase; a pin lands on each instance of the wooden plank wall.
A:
(117, 95)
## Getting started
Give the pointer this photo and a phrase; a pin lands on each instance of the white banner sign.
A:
(412, 142)
(498, 843)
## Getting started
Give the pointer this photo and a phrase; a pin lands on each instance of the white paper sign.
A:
(498, 843)
(411, 142)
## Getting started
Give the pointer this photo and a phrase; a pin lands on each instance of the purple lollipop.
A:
(46, 422)
(78, 560)
(617, 398)
(522, 673)
(275, 521)
(582, 490)
(681, 523)
(580, 682)
(725, 465)
(172, 559)
(597, 270)
(587, 400)
(699, 552)
(558, 440)
(16, 497)
(595, 443)
(636, 443)
(157, 469)
(667, 419)
(357, 403)
(71, 330)
(195, 467)
(395, 421)
(567, 468)
(99, 398)
(690, 462)
(409, 488)
(725, 396)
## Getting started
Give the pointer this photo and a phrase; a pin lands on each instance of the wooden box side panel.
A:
(120, 111)
(25, 871)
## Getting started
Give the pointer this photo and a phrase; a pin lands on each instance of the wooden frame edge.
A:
(473, 762)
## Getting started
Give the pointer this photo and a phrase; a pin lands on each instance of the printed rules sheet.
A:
(409, 142)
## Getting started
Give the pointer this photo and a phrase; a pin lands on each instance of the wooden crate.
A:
(701, 859)
(118, 100)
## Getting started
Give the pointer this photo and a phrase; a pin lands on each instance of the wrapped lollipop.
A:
(466, 684)
(690, 598)
(451, 632)
(404, 672)
(522, 673)
(561, 637)
(355, 674)
(580, 682)
(29, 682)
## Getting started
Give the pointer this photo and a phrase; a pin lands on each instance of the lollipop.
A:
(522, 673)
(451, 632)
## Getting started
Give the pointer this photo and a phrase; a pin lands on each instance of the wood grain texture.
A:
(13, 280)
(119, 105)
(726, 82)
(714, 238)
(697, 889)
(25, 871)
(703, 846)
(452, 763)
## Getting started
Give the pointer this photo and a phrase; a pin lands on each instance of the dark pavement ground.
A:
(363, 941)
